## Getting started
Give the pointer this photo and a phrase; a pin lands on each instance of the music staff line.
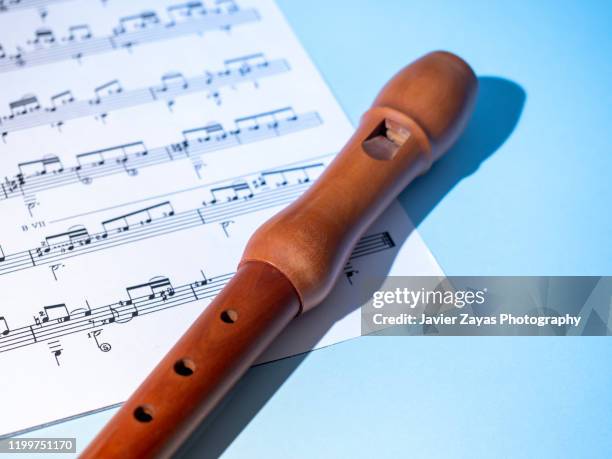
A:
(49, 172)
(232, 200)
(157, 295)
(185, 19)
(16, 5)
(323, 159)
(28, 112)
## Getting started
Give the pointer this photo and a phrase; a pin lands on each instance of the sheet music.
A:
(142, 143)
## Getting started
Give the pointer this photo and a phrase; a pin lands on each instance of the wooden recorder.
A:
(292, 261)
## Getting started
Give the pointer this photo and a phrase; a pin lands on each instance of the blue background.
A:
(527, 190)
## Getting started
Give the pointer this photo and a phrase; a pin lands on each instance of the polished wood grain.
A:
(216, 350)
(292, 261)
(311, 240)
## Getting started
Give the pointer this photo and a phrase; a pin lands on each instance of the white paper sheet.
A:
(142, 143)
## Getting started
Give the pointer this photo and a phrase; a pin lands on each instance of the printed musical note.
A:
(349, 272)
(156, 288)
(225, 202)
(233, 192)
(113, 158)
(246, 64)
(42, 37)
(106, 90)
(283, 177)
(203, 281)
(15, 5)
(113, 188)
(153, 296)
(55, 267)
(112, 96)
(368, 244)
(136, 22)
(66, 241)
(185, 11)
(212, 132)
(56, 350)
(121, 315)
(81, 312)
(172, 80)
(104, 347)
(56, 312)
(225, 225)
(49, 173)
(131, 30)
(27, 104)
(79, 32)
(4, 329)
(140, 217)
(63, 98)
(48, 164)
